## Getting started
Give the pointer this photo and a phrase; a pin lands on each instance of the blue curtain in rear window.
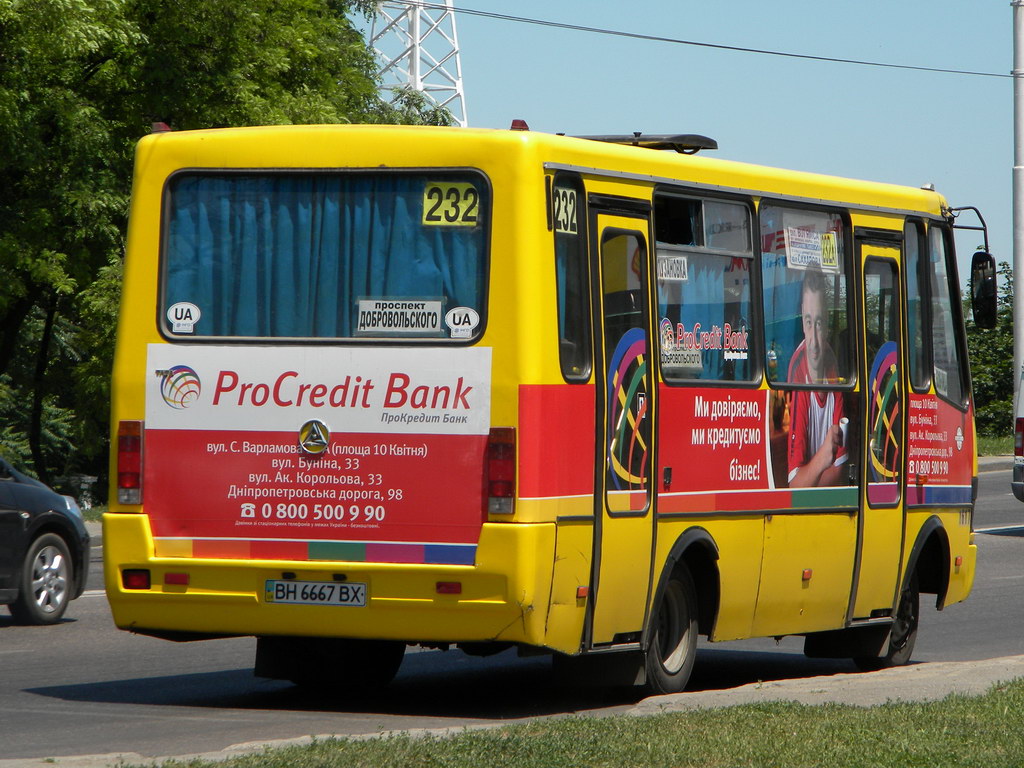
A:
(290, 255)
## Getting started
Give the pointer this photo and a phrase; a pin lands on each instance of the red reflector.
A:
(176, 578)
(807, 574)
(958, 561)
(582, 592)
(519, 124)
(135, 578)
(449, 587)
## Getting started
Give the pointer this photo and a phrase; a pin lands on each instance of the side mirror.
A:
(983, 289)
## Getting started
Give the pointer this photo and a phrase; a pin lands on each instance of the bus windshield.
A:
(320, 255)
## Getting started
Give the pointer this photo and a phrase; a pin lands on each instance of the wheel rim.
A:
(49, 579)
(673, 626)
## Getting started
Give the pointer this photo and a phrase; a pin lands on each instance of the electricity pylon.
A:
(418, 48)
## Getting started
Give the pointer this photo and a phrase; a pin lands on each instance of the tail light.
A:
(1018, 438)
(129, 462)
(500, 471)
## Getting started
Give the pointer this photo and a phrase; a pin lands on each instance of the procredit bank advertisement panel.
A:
(316, 452)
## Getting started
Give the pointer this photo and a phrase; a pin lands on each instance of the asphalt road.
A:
(84, 688)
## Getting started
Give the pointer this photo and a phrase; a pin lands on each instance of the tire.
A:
(44, 586)
(673, 645)
(903, 634)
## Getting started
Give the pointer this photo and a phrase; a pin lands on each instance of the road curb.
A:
(95, 531)
(928, 681)
(995, 463)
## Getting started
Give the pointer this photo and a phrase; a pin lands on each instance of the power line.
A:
(698, 44)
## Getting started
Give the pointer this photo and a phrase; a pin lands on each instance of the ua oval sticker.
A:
(183, 316)
(461, 321)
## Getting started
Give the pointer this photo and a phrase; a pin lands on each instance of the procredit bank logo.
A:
(314, 437)
(277, 389)
(179, 386)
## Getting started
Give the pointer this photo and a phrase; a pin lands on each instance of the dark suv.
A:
(44, 549)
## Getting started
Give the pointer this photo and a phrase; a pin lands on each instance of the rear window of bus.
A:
(325, 255)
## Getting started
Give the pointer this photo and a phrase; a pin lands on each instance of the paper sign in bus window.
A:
(409, 317)
(447, 203)
(807, 248)
(565, 210)
(672, 268)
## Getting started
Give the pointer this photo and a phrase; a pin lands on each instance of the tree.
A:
(220, 63)
(62, 205)
(80, 82)
(991, 356)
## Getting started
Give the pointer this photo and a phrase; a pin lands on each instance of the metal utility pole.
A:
(1018, 192)
(418, 48)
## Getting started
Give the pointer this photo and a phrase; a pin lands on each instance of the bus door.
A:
(624, 534)
(880, 531)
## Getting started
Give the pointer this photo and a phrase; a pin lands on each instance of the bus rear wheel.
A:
(903, 634)
(673, 645)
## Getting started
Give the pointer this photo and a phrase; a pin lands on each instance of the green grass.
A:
(94, 514)
(980, 732)
(995, 446)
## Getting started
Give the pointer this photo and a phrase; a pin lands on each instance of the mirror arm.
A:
(955, 212)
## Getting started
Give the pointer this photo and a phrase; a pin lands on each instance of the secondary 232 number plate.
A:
(316, 592)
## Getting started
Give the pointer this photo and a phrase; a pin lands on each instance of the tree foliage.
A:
(80, 82)
(991, 355)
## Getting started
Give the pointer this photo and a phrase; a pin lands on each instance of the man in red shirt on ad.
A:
(816, 438)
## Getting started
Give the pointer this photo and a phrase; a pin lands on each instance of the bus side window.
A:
(702, 266)
(806, 302)
(574, 350)
(809, 351)
(947, 371)
(917, 304)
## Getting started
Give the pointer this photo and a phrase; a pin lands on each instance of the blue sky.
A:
(904, 127)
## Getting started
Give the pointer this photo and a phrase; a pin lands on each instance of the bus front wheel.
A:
(673, 645)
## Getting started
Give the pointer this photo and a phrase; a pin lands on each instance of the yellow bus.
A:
(380, 386)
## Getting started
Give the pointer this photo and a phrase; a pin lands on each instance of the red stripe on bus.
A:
(556, 440)
(279, 550)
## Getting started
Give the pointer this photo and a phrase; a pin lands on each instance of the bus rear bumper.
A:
(192, 597)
